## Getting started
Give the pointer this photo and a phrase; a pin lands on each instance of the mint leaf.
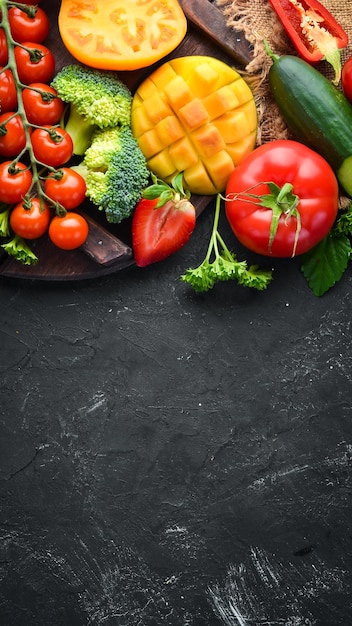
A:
(324, 265)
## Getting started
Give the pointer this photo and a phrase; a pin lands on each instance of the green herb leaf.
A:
(154, 191)
(221, 264)
(19, 249)
(324, 265)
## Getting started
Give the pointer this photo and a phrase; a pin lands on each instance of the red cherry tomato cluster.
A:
(30, 128)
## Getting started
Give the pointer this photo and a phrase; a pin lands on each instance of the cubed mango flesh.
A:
(195, 115)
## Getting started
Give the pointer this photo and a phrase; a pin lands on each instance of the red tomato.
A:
(42, 105)
(4, 52)
(27, 28)
(313, 182)
(8, 92)
(35, 63)
(67, 187)
(12, 134)
(52, 146)
(159, 232)
(68, 232)
(30, 222)
(346, 79)
(15, 181)
(32, 2)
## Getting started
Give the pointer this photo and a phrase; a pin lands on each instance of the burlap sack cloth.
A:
(258, 21)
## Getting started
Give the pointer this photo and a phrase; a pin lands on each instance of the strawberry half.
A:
(162, 222)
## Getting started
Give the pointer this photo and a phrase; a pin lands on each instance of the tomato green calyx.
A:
(35, 55)
(27, 203)
(282, 202)
(54, 135)
(30, 9)
(57, 174)
(13, 168)
(165, 193)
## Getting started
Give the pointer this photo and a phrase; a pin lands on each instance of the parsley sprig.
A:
(220, 264)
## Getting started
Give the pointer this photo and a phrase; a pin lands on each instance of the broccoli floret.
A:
(115, 171)
(96, 99)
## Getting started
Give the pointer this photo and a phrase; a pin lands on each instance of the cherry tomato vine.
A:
(35, 177)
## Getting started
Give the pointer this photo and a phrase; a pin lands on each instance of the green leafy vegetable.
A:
(220, 264)
(325, 264)
(19, 249)
(5, 223)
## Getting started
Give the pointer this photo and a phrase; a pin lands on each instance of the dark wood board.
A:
(108, 248)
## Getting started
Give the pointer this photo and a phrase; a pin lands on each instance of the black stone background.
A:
(174, 458)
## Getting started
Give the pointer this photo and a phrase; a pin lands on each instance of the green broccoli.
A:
(96, 99)
(115, 171)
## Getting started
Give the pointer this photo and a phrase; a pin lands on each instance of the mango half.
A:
(195, 115)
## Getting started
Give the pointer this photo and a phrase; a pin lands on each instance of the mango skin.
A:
(198, 116)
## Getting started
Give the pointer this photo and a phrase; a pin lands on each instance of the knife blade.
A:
(209, 19)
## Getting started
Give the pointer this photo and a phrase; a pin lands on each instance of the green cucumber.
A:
(317, 113)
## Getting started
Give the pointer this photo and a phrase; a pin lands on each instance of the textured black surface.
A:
(170, 458)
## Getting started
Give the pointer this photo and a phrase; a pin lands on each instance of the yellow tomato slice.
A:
(121, 34)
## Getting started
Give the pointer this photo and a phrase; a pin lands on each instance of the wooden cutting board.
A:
(108, 248)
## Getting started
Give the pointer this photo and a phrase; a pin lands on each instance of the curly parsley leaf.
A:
(220, 264)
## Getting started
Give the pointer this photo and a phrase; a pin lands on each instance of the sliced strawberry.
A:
(161, 228)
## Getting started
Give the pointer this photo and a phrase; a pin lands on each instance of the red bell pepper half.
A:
(313, 30)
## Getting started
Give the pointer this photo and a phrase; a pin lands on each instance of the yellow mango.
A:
(208, 141)
(163, 164)
(178, 93)
(150, 143)
(197, 179)
(169, 130)
(157, 107)
(142, 122)
(183, 154)
(240, 149)
(203, 80)
(195, 115)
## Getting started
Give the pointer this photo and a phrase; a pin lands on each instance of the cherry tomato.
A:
(4, 52)
(68, 232)
(12, 134)
(32, 2)
(32, 221)
(300, 226)
(42, 105)
(15, 181)
(8, 92)
(346, 79)
(67, 187)
(52, 146)
(35, 63)
(26, 28)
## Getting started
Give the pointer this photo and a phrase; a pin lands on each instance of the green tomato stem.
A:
(34, 164)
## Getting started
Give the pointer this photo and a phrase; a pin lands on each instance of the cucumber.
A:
(317, 113)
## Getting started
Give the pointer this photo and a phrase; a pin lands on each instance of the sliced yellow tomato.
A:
(121, 34)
